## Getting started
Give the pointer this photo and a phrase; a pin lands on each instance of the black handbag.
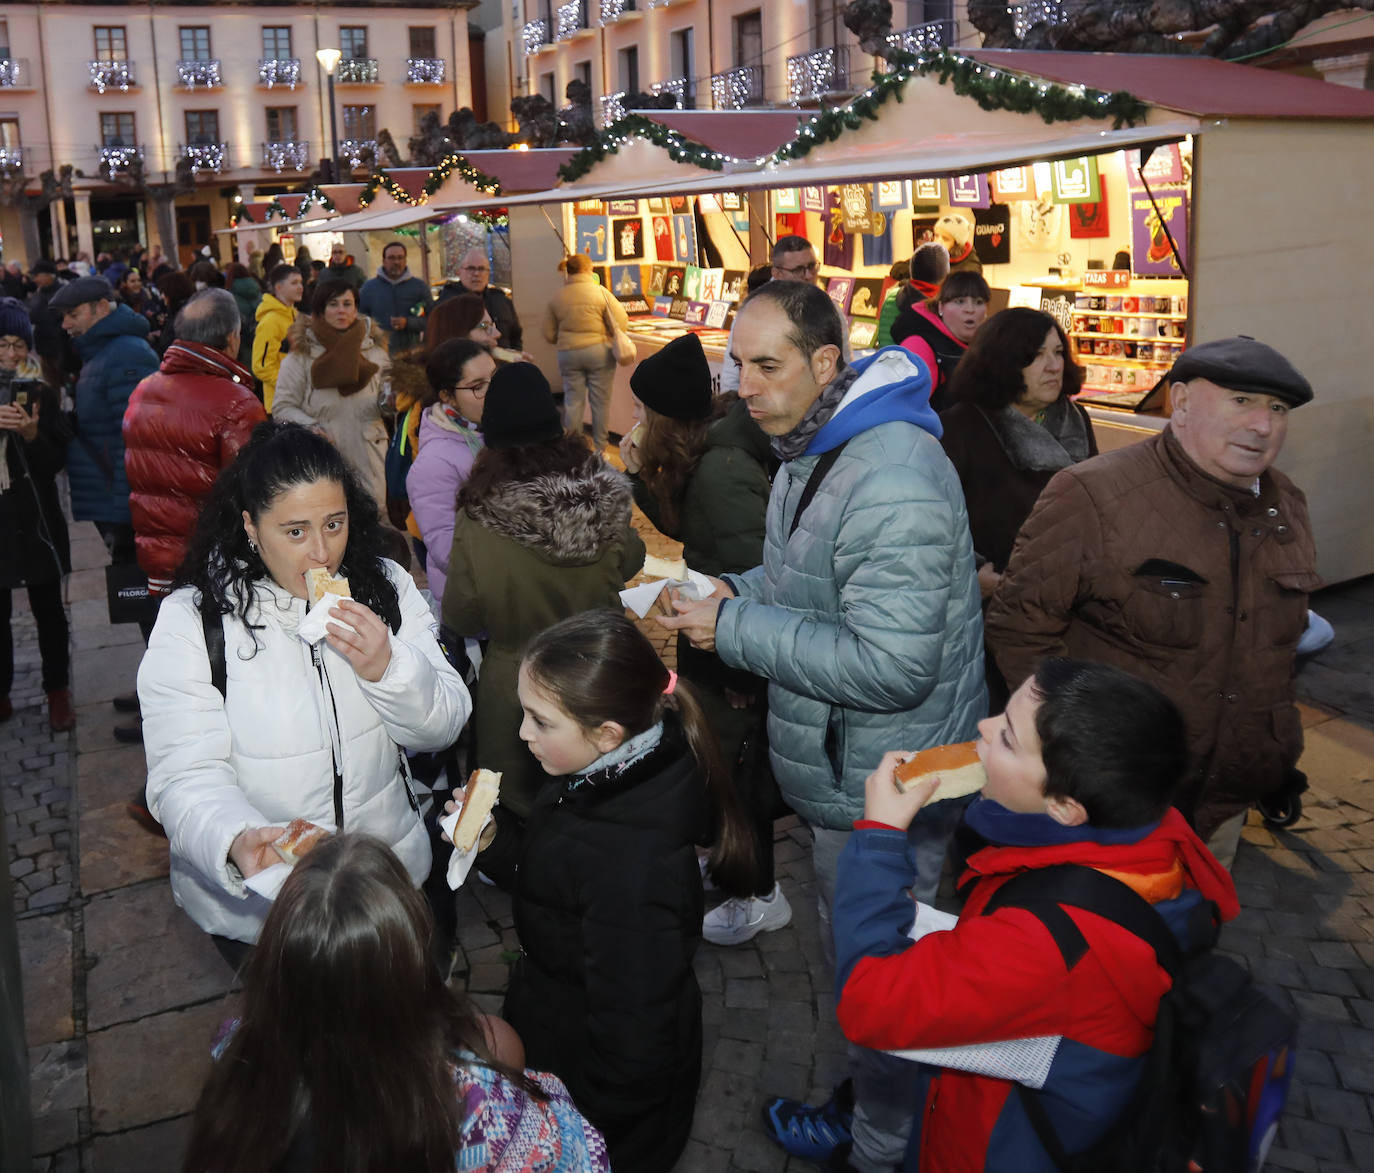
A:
(126, 592)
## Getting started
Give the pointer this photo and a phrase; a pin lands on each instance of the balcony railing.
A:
(534, 36)
(1026, 16)
(112, 75)
(358, 151)
(14, 73)
(213, 157)
(193, 74)
(736, 88)
(920, 38)
(288, 155)
(814, 74)
(680, 88)
(279, 71)
(116, 159)
(11, 161)
(425, 71)
(570, 19)
(612, 107)
(358, 71)
(613, 10)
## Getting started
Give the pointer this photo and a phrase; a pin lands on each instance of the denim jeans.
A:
(588, 372)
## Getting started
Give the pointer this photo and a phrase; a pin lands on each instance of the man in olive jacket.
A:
(1185, 559)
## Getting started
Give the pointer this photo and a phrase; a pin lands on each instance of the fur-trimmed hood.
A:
(568, 517)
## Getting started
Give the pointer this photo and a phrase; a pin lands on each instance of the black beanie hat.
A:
(676, 381)
(519, 408)
(14, 321)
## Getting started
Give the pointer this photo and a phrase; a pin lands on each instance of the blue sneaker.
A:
(811, 1133)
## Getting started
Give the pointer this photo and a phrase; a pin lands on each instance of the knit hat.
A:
(676, 381)
(519, 408)
(42, 265)
(1243, 364)
(81, 291)
(956, 227)
(14, 320)
(930, 263)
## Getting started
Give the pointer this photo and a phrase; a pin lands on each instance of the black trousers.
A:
(46, 601)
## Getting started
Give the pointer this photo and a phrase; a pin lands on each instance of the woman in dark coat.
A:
(34, 550)
(542, 533)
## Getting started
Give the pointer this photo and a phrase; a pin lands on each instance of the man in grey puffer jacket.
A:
(865, 614)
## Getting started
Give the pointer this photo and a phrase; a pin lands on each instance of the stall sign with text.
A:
(1165, 166)
(1074, 181)
(856, 208)
(969, 191)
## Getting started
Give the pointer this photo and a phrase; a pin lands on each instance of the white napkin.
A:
(267, 883)
(460, 862)
(640, 599)
(312, 628)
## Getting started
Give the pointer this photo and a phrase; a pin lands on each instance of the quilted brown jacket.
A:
(1137, 558)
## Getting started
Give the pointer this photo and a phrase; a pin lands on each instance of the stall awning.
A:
(368, 221)
(746, 134)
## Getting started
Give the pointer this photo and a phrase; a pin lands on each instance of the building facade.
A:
(229, 96)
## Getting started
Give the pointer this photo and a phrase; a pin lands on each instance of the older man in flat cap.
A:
(1185, 559)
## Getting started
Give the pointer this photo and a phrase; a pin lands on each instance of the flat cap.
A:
(80, 291)
(1243, 364)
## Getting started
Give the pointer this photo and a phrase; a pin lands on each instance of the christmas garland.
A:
(615, 136)
(274, 208)
(380, 180)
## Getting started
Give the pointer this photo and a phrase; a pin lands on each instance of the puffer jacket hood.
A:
(887, 386)
(120, 322)
(567, 517)
(273, 307)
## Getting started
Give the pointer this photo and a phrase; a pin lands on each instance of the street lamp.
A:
(329, 61)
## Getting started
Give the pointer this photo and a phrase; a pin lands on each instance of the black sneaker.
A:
(128, 703)
(129, 734)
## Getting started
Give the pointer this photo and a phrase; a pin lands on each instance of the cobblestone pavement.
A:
(123, 993)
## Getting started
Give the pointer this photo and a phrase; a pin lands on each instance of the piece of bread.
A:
(480, 795)
(960, 770)
(319, 582)
(637, 434)
(656, 567)
(299, 840)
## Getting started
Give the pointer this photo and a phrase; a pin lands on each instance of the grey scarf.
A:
(794, 443)
(1060, 441)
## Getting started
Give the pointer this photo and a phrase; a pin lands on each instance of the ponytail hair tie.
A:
(672, 683)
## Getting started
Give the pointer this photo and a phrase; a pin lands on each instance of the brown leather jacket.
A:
(1137, 558)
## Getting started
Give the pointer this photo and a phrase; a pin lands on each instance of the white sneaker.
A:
(741, 918)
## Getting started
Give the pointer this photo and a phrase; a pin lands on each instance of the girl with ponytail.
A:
(608, 897)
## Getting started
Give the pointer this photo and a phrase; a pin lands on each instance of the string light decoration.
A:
(111, 75)
(193, 74)
(276, 210)
(534, 36)
(612, 10)
(358, 151)
(283, 155)
(279, 71)
(571, 19)
(381, 181)
(822, 71)
(736, 88)
(934, 34)
(1026, 16)
(677, 86)
(358, 71)
(612, 107)
(425, 71)
(990, 87)
(11, 160)
(116, 159)
(206, 156)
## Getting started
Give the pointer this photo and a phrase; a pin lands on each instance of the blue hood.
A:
(118, 322)
(888, 385)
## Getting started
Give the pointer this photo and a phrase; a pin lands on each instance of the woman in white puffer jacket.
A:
(299, 731)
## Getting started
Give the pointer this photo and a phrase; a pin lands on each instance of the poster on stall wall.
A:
(684, 240)
(659, 206)
(1039, 225)
(730, 201)
(661, 306)
(629, 238)
(696, 313)
(589, 208)
(1074, 181)
(856, 209)
(663, 238)
(1089, 221)
(969, 191)
(677, 203)
(658, 280)
(1013, 183)
(840, 290)
(712, 283)
(591, 237)
(992, 234)
(717, 315)
(1151, 255)
(1165, 166)
(678, 308)
(812, 199)
(691, 284)
(786, 200)
(603, 276)
(735, 284)
(625, 281)
(927, 191)
(623, 207)
(890, 195)
(862, 334)
(672, 281)
(867, 298)
(922, 230)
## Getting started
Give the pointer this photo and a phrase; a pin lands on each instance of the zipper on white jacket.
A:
(335, 746)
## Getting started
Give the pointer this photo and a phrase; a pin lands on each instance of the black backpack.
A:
(1216, 1076)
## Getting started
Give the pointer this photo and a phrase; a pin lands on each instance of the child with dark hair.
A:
(1080, 770)
(353, 1055)
(608, 900)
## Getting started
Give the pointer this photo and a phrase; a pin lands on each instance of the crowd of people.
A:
(914, 548)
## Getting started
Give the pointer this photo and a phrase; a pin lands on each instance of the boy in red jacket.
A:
(1080, 767)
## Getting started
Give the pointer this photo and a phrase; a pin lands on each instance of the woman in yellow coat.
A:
(276, 312)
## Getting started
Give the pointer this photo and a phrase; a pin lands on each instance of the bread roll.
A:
(319, 582)
(960, 770)
(299, 839)
(656, 567)
(480, 795)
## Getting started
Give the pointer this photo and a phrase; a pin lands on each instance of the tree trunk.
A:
(28, 226)
(164, 215)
